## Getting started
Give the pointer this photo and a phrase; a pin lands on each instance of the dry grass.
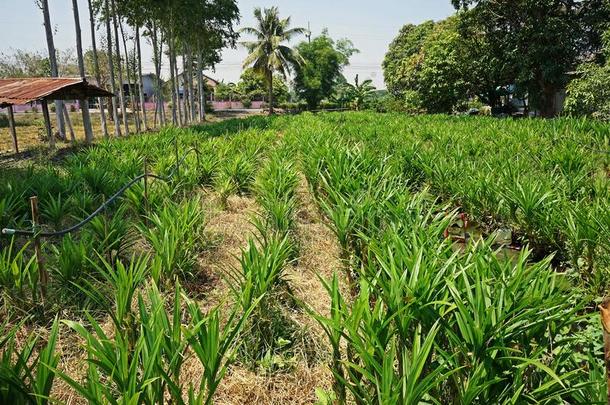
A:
(242, 386)
(319, 255)
(31, 134)
(229, 230)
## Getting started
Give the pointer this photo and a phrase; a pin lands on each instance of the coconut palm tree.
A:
(268, 54)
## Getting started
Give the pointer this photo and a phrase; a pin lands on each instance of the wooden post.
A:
(11, 123)
(605, 316)
(146, 185)
(47, 123)
(177, 157)
(43, 276)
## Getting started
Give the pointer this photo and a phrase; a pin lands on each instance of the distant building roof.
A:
(25, 90)
(207, 79)
(211, 81)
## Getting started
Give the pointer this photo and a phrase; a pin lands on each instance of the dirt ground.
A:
(31, 134)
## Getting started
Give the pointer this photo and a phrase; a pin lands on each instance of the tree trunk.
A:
(11, 122)
(547, 107)
(201, 86)
(96, 67)
(119, 68)
(47, 119)
(179, 102)
(130, 81)
(186, 91)
(84, 103)
(270, 78)
(140, 82)
(54, 71)
(68, 123)
(189, 66)
(115, 114)
(172, 80)
(157, 58)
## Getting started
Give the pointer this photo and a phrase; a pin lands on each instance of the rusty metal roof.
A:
(25, 90)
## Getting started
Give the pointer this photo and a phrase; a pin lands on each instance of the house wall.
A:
(148, 83)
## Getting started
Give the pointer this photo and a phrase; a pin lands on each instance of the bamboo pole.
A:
(42, 272)
(11, 123)
(605, 317)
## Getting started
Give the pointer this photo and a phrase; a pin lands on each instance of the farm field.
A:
(31, 132)
(331, 258)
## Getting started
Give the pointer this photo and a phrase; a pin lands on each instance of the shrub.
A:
(247, 102)
(328, 105)
(588, 94)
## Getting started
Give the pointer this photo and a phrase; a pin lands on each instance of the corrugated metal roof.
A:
(25, 90)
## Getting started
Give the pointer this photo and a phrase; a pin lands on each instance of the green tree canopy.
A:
(536, 41)
(589, 93)
(20, 63)
(407, 44)
(325, 58)
(359, 94)
(426, 67)
(268, 52)
(253, 86)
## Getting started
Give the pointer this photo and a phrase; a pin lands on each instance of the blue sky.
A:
(371, 25)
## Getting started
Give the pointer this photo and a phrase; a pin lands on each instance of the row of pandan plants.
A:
(425, 322)
(273, 339)
(422, 320)
(141, 357)
(125, 269)
(544, 182)
(165, 217)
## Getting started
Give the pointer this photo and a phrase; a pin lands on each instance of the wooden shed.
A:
(25, 90)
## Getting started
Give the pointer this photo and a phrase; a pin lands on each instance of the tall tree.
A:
(96, 66)
(541, 40)
(44, 5)
(403, 48)
(130, 82)
(113, 88)
(117, 49)
(140, 80)
(268, 54)
(325, 59)
(84, 103)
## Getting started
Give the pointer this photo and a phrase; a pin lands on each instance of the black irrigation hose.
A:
(179, 163)
(85, 221)
(23, 232)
